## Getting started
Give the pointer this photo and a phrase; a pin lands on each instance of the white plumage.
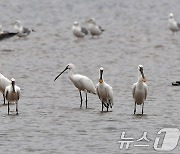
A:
(4, 82)
(81, 82)
(21, 31)
(173, 25)
(79, 31)
(139, 89)
(94, 29)
(104, 91)
(12, 94)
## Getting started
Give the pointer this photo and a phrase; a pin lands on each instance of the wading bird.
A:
(105, 92)
(79, 31)
(139, 89)
(4, 82)
(81, 82)
(94, 29)
(21, 31)
(12, 94)
(173, 25)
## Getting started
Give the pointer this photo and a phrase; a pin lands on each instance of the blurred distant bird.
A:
(12, 94)
(139, 89)
(79, 31)
(173, 25)
(94, 29)
(21, 31)
(4, 82)
(104, 91)
(5, 34)
(81, 82)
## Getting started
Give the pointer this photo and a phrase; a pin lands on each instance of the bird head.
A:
(91, 21)
(101, 73)
(140, 68)
(70, 66)
(76, 23)
(170, 15)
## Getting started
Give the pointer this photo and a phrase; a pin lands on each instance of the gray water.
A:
(50, 120)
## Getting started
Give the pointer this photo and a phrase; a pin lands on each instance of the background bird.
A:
(79, 31)
(4, 82)
(104, 91)
(81, 82)
(139, 89)
(173, 25)
(21, 31)
(94, 29)
(12, 94)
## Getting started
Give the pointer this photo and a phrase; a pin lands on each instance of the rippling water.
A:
(50, 120)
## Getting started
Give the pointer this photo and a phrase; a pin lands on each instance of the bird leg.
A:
(4, 99)
(107, 107)
(8, 108)
(142, 107)
(86, 100)
(81, 98)
(135, 108)
(102, 106)
(17, 108)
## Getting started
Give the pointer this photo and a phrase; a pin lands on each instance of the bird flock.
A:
(11, 92)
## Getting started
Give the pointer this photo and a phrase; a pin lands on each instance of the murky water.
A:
(50, 120)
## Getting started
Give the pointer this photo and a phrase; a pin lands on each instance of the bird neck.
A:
(71, 73)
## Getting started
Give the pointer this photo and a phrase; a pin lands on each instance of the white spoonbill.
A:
(79, 31)
(12, 94)
(4, 82)
(94, 29)
(21, 31)
(173, 25)
(139, 89)
(81, 82)
(105, 92)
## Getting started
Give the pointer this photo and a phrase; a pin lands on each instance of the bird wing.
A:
(88, 85)
(109, 90)
(178, 24)
(101, 28)
(97, 91)
(26, 30)
(133, 90)
(84, 30)
(146, 89)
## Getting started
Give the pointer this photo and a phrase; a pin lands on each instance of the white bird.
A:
(139, 89)
(94, 29)
(173, 25)
(104, 91)
(4, 82)
(79, 31)
(12, 94)
(21, 31)
(5, 34)
(81, 82)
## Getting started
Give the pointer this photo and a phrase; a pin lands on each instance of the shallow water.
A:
(50, 120)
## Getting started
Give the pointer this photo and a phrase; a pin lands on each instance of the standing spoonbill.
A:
(173, 25)
(139, 89)
(105, 92)
(79, 31)
(94, 29)
(4, 82)
(12, 94)
(81, 82)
